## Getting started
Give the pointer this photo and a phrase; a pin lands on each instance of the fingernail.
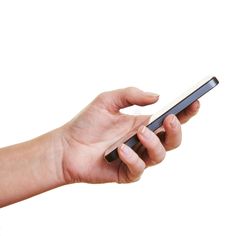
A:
(144, 132)
(125, 149)
(173, 122)
(152, 94)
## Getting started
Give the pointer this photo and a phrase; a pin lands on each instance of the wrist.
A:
(67, 148)
(54, 156)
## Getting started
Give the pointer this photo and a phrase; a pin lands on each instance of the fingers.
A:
(121, 98)
(154, 148)
(135, 165)
(189, 112)
(173, 134)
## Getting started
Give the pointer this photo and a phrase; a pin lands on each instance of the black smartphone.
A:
(157, 119)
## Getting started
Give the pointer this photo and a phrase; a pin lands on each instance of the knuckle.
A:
(131, 89)
(136, 172)
(135, 179)
(163, 156)
(156, 152)
(160, 156)
(101, 96)
(155, 144)
(157, 157)
(134, 160)
(172, 146)
(132, 178)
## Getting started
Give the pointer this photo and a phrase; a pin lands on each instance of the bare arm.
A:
(29, 168)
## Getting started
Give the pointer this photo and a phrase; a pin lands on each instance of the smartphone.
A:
(157, 119)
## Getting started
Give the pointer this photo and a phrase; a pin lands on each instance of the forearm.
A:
(30, 168)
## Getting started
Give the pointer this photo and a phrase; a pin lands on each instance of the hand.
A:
(75, 152)
(86, 138)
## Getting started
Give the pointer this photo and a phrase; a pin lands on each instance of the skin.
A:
(74, 153)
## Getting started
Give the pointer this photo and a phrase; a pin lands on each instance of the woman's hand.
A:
(86, 138)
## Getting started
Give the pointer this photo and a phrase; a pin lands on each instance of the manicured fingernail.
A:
(144, 132)
(173, 122)
(152, 94)
(125, 149)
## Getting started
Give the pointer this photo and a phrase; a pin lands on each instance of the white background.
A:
(56, 56)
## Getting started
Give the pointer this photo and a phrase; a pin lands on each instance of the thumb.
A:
(121, 98)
